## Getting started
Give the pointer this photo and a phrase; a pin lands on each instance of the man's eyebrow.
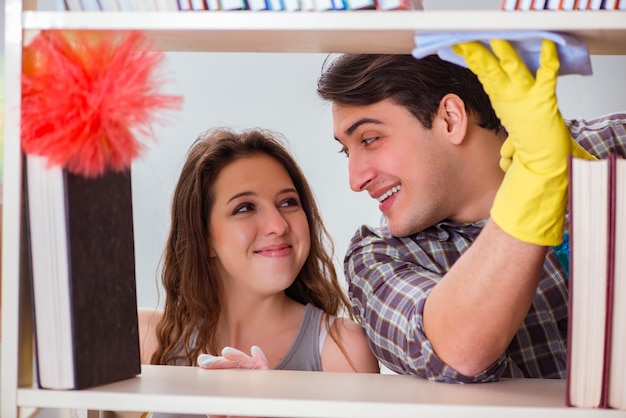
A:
(360, 122)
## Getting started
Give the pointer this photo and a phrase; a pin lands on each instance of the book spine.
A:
(610, 274)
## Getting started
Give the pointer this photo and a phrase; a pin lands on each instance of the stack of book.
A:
(525, 5)
(597, 309)
(217, 5)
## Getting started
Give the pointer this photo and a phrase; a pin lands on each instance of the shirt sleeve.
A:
(388, 292)
(601, 136)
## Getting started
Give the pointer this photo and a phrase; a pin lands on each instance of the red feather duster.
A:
(87, 95)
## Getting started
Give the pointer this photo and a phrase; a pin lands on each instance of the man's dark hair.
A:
(416, 84)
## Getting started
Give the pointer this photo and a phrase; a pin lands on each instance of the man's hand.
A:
(531, 202)
(507, 151)
(232, 358)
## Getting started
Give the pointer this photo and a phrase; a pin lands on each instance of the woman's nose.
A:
(275, 222)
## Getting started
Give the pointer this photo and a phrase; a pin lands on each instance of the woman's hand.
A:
(232, 358)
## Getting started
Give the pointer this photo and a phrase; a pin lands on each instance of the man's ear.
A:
(454, 117)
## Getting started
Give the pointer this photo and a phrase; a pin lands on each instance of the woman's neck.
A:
(271, 323)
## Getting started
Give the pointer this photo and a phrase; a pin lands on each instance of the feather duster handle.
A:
(87, 96)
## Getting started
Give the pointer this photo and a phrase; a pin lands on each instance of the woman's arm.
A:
(148, 319)
(356, 355)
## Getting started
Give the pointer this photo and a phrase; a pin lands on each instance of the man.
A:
(460, 284)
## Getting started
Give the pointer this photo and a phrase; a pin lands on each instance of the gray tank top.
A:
(304, 353)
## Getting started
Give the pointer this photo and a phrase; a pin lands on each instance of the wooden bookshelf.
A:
(280, 393)
(363, 31)
(264, 393)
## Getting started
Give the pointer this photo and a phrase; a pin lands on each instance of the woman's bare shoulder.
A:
(356, 355)
(148, 319)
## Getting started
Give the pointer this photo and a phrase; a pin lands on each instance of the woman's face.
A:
(260, 233)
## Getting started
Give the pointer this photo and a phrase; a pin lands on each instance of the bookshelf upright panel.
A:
(16, 360)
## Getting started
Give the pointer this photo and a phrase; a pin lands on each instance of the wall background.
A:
(277, 91)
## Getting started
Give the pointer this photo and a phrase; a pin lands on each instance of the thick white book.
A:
(82, 258)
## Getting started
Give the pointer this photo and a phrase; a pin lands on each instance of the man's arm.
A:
(494, 282)
(473, 313)
(390, 279)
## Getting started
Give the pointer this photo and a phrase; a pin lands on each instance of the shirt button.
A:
(562, 324)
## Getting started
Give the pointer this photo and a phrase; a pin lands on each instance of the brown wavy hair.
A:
(189, 275)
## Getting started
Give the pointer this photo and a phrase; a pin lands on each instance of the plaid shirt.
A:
(390, 278)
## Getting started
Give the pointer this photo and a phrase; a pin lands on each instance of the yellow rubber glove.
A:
(531, 202)
(507, 151)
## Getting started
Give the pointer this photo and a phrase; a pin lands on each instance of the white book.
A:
(275, 5)
(308, 5)
(553, 4)
(292, 5)
(463, 4)
(400, 5)
(197, 5)
(507, 5)
(257, 5)
(126, 5)
(167, 5)
(83, 276)
(74, 5)
(110, 5)
(50, 5)
(617, 373)
(595, 4)
(90, 5)
(589, 263)
(322, 5)
(146, 5)
(361, 4)
(583, 4)
(539, 5)
(231, 4)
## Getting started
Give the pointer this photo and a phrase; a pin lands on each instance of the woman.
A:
(246, 265)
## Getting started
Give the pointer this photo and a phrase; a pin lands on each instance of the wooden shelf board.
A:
(310, 394)
(357, 31)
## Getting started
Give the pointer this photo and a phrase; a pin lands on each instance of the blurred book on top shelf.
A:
(557, 5)
(461, 4)
(73, 5)
(232, 5)
(596, 376)
(399, 5)
(361, 4)
(166, 5)
(110, 5)
(1, 148)
(91, 5)
(82, 270)
(50, 5)
(198, 5)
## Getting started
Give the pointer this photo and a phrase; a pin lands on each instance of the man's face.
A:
(401, 164)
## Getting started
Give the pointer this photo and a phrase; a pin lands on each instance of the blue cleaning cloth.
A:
(573, 53)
